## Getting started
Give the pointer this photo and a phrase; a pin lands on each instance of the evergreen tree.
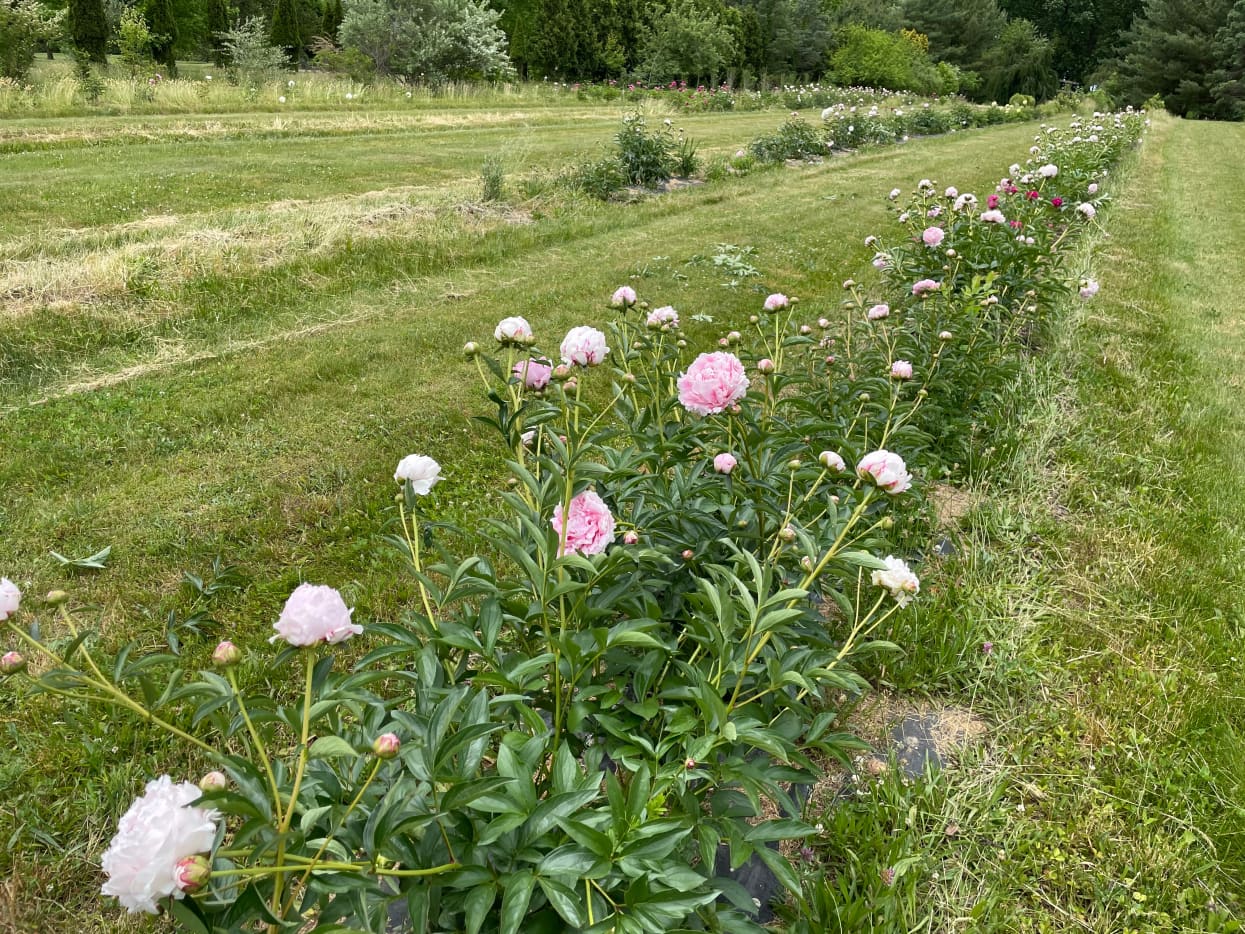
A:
(88, 28)
(1019, 63)
(1228, 80)
(163, 34)
(286, 31)
(1084, 32)
(217, 26)
(959, 31)
(332, 19)
(1172, 51)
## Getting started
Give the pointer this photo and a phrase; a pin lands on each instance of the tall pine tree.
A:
(1171, 51)
(286, 32)
(217, 26)
(163, 28)
(88, 28)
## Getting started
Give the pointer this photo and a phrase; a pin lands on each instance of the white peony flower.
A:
(1048, 171)
(513, 331)
(157, 832)
(898, 579)
(831, 460)
(886, 469)
(422, 471)
(584, 346)
(10, 598)
(315, 613)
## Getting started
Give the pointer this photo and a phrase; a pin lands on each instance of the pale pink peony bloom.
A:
(663, 319)
(964, 201)
(776, 301)
(832, 460)
(925, 286)
(1089, 288)
(886, 470)
(10, 598)
(881, 260)
(895, 193)
(513, 331)
(1093, 188)
(713, 383)
(901, 369)
(993, 216)
(724, 462)
(1087, 209)
(933, 236)
(623, 297)
(1048, 171)
(315, 613)
(421, 471)
(898, 579)
(878, 312)
(951, 193)
(589, 527)
(584, 346)
(871, 240)
(534, 374)
(154, 835)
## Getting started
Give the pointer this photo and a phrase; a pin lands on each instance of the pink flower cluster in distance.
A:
(714, 382)
(589, 525)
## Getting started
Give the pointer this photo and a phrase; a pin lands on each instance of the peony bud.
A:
(734, 337)
(631, 537)
(471, 348)
(689, 763)
(561, 372)
(214, 781)
(56, 597)
(687, 554)
(12, 663)
(226, 655)
(386, 745)
(807, 564)
(192, 873)
(787, 534)
(793, 464)
(766, 366)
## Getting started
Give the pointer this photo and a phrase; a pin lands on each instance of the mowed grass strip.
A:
(279, 459)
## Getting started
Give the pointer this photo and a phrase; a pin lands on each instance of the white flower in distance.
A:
(1048, 171)
(623, 297)
(776, 301)
(898, 579)
(663, 319)
(993, 216)
(513, 331)
(886, 469)
(156, 833)
(315, 613)
(1087, 209)
(1089, 288)
(10, 598)
(584, 346)
(422, 472)
(831, 460)
(901, 369)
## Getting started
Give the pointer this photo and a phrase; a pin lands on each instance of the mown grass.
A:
(276, 456)
(1106, 572)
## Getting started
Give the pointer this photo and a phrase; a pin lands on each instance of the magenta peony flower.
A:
(901, 369)
(725, 462)
(663, 319)
(623, 297)
(776, 301)
(992, 202)
(315, 613)
(513, 331)
(535, 374)
(898, 579)
(422, 472)
(10, 598)
(584, 346)
(933, 236)
(886, 470)
(153, 837)
(925, 286)
(589, 526)
(713, 382)
(1056, 202)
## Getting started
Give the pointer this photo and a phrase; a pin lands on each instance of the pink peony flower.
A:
(314, 613)
(1056, 202)
(901, 369)
(831, 460)
(713, 383)
(933, 236)
(589, 527)
(886, 470)
(725, 462)
(878, 312)
(925, 286)
(10, 598)
(631, 537)
(154, 835)
(898, 579)
(535, 374)
(663, 319)
(623, 297)
(1033, 195)
(993, 217)
(881, 260)
(421, 471)
(1093, 188)
(513, 331)
(1089, 288)
(584, 346)
(776, 301)
(992, 202)
(1087, 209)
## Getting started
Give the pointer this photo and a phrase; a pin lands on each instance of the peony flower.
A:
(831, 460)
(925, 286)
(776, 301)
(386, 745)
(993, 217)
(878, 312)
(881, 260)
(589, 526)
(713, 382)
(725, 462)
(1048, 171)
(894, 193)
(11, 663)
(513, 331)
(1056, 202)
(584, 346)
(933, 236)
(964, 201)
(623, 297)
(1089, 288)
(663, 319)
(992, 202)
(535, 374)
(901, 369)
(631, 537)
(10, 598)
(898, 579)
(153, 837)
(886, 470)
(951, 193)
(315, 613)
(1093, 188)
(422, 472)
(1087, 209)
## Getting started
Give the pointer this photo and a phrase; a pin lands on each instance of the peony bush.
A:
(696, 547)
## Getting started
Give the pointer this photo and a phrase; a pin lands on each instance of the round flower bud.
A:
(805, 330)
(214, 781)
(793, 464)
(628, 377)
(386, 745)
(753, 319)
(831, 460)
(681, 344)
(11, 663)
(734, 337)
(56, 597)
(226, 655)
(765, 366)
(807, 564)
(561, 372)
(687, 554)
(471, 348)
(944, 335)
(865, 397)
(849, 283)
(572, 384)
(787, 534)
(191, 873)
(631, 537)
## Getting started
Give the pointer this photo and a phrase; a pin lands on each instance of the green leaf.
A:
(515, 899)
(477, 905)
(564, 901)
(95, 562)
(331, 747)
(188, 917)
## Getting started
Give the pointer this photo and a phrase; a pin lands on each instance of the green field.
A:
(220, 334)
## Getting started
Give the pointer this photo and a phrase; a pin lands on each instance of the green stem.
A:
(260, 750)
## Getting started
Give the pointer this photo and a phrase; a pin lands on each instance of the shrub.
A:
(647, 158)
(23, 25)
(252, 59)
(795, 139)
